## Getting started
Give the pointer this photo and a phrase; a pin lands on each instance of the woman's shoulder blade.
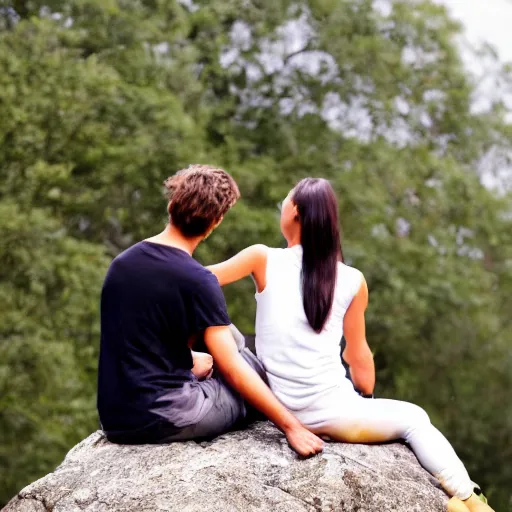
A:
(350, 276)
(348, 269)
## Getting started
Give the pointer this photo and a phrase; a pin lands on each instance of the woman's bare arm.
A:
(250, 261)
(357, 352)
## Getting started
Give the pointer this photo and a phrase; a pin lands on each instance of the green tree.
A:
(100, 101)
(49, 288)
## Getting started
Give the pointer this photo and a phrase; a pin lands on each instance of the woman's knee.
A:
(406, 413)
(417, 416)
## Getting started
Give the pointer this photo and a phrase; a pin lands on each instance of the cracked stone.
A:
(246, 471)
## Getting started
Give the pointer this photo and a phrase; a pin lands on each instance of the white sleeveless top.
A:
(300, 363)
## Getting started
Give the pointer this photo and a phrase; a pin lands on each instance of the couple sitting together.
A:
(158, 304)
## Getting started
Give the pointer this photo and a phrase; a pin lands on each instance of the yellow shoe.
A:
(475, 504)
(456, 505)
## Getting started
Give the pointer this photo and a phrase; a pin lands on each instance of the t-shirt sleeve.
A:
(208, 305)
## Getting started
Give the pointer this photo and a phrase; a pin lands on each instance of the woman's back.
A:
(301, 364)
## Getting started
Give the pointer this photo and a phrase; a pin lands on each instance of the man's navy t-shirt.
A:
(154, 299)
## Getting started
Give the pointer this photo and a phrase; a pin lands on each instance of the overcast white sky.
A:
(485, 21)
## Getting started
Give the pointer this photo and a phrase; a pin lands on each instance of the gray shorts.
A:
(229, 410)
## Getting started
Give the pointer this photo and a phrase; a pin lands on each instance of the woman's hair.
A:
(199, 197)
(321, 245)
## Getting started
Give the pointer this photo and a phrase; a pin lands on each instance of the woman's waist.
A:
(298, 399)
(306, 370)
(301, 386)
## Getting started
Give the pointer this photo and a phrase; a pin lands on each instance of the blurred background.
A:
(404, 105)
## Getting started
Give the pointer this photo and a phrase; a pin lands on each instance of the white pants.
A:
(348, 417)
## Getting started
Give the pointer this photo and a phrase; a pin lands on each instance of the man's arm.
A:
(357, 352)
(247, 382)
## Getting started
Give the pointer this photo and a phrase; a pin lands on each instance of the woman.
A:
(306, 299)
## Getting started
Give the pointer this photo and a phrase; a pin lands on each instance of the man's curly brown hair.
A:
(199, 197)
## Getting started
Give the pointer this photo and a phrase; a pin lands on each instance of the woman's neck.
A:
(293, 241)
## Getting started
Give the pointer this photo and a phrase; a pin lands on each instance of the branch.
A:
(306, 48)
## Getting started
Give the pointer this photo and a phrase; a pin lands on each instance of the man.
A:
(156, 301)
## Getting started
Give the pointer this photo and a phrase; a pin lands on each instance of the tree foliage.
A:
(101, 100)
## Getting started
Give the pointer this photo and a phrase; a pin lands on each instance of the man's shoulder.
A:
(202, 277)
(169, 262)
(129, 252)
(126, 257)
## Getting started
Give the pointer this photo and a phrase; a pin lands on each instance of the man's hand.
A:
(203, 365)
(303, 441)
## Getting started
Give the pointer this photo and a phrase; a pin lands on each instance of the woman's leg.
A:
(377, 420)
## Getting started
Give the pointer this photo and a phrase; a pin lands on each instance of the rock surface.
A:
(250, 470)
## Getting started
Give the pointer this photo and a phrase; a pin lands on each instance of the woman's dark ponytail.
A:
(321, 246)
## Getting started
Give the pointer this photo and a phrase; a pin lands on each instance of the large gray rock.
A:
(251, 470)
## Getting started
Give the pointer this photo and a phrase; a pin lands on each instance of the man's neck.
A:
(172, 237)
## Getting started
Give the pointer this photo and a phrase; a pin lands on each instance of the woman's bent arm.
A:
(357, 352)
(252, 260)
